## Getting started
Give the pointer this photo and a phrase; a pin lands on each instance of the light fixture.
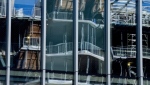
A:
(129, 63)
(28, 37)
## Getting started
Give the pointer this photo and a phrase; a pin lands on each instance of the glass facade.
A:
(3, 48)
(91, 43)
(107, 45)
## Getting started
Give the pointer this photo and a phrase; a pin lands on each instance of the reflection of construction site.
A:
(26, 38)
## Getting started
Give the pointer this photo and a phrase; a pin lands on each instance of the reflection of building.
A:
(25, 45)
(90, 43)
(3, 7)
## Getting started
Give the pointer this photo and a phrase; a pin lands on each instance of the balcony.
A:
(35, 12)
(31, 43)
(129, 52)
(2, 11)
(85, 48)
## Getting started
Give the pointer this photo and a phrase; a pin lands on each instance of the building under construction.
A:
(25, 67)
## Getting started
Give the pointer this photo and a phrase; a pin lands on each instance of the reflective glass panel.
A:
(25, 44)
(91, 42)
(59, 42)
(2, 42)
(146, 37)
(124, 39)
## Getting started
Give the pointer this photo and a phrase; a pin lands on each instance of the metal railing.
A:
(2, 11)
(31, 41)
(68, 47)
(129, 52)
(63, 15)
(33, 12)
(60, 15)
(37, 12)
(130, 19)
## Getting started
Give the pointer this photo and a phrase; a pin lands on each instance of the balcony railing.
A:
(130, 19)
(34, 12)
(2, 11)
(31, 41)
(129, 52)
(63, 15)
(68, 47)
(37, 12)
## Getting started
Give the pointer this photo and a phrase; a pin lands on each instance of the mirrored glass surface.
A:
(91, 42)
(2, 42)
(59, 42)
(25, 60)
(124, 39)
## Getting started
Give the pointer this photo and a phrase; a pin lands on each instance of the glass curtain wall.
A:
(2, 43)
(124, 67)
(145, 43)
(91, 42)
(125, 24)
(25, 59)
(25, 51)
(59, 42)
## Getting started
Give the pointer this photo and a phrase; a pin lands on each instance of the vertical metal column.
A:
(75, 40)
(61, 2)
(43, 39)
(107, 41)
(139, 52)
(8, 27)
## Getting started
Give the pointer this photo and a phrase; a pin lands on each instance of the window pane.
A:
(25, 45)
(2, 43)
(91, 42)
(59, 42)
(145, 37)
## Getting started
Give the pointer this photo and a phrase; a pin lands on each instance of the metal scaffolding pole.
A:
(107, 41)
(139, 53)
(8, 27)
(43, 39)
(75, 40)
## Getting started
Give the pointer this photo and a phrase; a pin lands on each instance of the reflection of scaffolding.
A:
(120, 9)
(29, 55)
(130, 50)
(131, 40)
(123, 12)
(28, 60)
(130, 19)
(131, 43)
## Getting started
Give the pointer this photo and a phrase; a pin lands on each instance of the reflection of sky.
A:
(25, 2)
(27, 6)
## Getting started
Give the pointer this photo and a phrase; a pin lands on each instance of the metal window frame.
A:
(75, 34)
(8, 40)
(43, 41)
(75, 41)
(107, 41)
(139, 48)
